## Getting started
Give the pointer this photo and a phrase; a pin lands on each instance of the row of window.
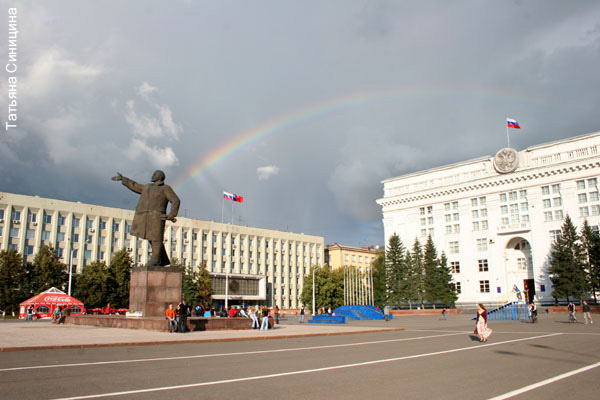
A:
(483, 266)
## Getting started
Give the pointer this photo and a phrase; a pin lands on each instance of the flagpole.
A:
(507, 133)
(232, 212)
(222, 207)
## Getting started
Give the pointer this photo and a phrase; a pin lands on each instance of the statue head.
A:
(158, 176)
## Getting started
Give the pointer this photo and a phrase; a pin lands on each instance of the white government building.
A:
(496, 217)
(278, 261)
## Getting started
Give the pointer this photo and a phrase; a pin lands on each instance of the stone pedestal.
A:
(152, 289)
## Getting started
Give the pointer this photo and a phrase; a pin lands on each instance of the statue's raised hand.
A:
(118, 177)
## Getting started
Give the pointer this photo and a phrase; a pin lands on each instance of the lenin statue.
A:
(151, 213)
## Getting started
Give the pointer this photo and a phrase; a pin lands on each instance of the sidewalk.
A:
(20, 335)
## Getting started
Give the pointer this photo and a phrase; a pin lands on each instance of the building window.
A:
(584, 212)
(476, 225)
(484, 286)
(60, 236)
(16, 215)
(458, 287)
(30, 234)
(455, 266)
(76, 222)
(115, 227)
(582, 198)
(76, 237)
(45, 235)
(453, 247)
(548, 216)
(32, 217)
(547, 203)
(521, 264)
(558, 215)
(47, 219)
(595, 209)
(556, 188)
(483, 265)
(581, 184)
(482, 244)
(28, 250)
(593, 196)
(545, 190)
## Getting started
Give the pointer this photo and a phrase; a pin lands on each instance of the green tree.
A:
(203, 287)
(591, 247)
(13, 276)
(395, 261)
(47, 271)
(188, 285)
(415, 275)
(446, 289)
(119, 276)
(91, 285)
(430, 266)
(567, 261)
(329, 288)
(379, 292)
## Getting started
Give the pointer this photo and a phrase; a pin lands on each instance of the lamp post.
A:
(70, 270)
(313, 290)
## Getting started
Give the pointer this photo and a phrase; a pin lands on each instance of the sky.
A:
(301, 107)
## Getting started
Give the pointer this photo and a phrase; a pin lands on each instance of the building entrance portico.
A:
(518, 267)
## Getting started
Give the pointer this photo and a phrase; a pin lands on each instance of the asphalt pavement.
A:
(416, 357)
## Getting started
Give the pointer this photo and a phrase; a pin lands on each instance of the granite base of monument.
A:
(153, 288)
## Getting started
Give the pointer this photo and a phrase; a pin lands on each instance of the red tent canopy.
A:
(45, 303)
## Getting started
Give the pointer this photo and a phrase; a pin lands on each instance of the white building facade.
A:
(91, 232)
(496, 217)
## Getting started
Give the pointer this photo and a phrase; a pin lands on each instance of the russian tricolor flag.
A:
(512, 123)
(233, 197)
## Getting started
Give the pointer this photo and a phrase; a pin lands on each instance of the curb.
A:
(154, 343)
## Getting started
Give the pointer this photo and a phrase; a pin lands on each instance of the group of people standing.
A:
(177, 317)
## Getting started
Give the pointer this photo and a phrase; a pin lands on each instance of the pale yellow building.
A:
(88, 232)
(339, 256)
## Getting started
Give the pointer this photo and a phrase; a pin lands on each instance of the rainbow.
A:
(295, 117)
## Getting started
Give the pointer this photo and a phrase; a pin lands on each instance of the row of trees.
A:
(575, 262)
(19, 281)
(417, 276)
(97, 285)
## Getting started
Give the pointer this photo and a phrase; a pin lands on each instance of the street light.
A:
(70, 270)
(313, 289)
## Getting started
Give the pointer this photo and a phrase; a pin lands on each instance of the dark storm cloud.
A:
(108, 86)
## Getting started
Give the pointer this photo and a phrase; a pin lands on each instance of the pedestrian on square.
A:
(444, 313)
(482, 329)
(255, 323)
(177, 316)
(276, 314)
(29, 314)
(386, 313)
(265, 319)
(586, 313)
(571, 308)
(170, 316)
(184, 312)
(301, 318)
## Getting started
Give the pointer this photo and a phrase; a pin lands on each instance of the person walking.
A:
(481, 324)
(586, 313)
(444, 313)
(170, 316)
(301, 318)
(386, 313)
(255, 323)
(265, 319)
(571, 308)
(532, 312)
